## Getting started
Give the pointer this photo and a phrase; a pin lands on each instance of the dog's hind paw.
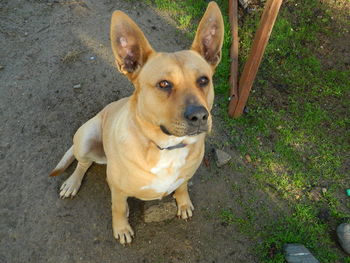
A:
(70, 187)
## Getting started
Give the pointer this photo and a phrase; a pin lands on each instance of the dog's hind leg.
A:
(71, 186)
(87, 148)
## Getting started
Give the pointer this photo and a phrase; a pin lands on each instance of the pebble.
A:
(297, 253)
(316, 194)
(221, 157)
(343, 233)
(160, 211)
(78, 86)
(248, 158)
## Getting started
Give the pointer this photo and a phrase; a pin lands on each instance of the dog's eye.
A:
(165, 85)
(202, 81)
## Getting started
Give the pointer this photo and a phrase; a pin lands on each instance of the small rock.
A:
(1, 67)
(222, 157)
(343, 233)
(248, 158)
(92, 58)
(324, 190)
(315, 194)
(78, 86)
(297, 253)
(160, 212)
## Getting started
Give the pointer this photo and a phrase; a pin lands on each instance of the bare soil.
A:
(47, 48)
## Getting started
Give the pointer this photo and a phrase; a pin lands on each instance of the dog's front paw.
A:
(123, 233)
(184, 211)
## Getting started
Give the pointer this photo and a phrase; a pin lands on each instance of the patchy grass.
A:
(301, 227)
(297, 128)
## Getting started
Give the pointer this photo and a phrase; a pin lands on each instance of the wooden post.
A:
(262, 36)
(233, 16)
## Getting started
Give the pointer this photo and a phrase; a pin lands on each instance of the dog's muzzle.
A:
(197, 119)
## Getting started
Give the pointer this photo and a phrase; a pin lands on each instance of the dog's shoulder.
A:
(115, 106)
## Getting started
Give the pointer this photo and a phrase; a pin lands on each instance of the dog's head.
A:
(173, 91)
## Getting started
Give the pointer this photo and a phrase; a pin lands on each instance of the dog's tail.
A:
(66, 160)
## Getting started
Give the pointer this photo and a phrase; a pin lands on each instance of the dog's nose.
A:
(196, 115)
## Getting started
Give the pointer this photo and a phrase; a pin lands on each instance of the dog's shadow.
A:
(95, 192)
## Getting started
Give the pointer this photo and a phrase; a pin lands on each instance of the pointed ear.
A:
(130, 46)
(210, 35)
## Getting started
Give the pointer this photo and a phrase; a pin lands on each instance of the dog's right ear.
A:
(130, 46)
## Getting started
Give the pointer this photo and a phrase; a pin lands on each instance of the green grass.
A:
(303, 228)
(297, 129)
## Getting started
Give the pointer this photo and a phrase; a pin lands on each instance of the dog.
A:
(153, 141)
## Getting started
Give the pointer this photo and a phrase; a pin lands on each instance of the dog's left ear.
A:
(210, 35)
(130, 46)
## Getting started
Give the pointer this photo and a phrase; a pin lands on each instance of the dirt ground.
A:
(48, 47)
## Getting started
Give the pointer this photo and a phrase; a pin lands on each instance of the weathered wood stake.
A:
(233, 16)
(250, 69)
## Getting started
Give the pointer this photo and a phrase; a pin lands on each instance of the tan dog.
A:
(152, 141)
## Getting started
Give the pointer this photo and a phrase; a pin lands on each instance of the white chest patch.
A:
(167, 171)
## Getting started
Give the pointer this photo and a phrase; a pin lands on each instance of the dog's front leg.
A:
(120, 212)
(184, 204)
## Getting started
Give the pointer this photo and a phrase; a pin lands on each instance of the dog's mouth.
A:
(165, 130)
(197, 132)
(190, 131)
